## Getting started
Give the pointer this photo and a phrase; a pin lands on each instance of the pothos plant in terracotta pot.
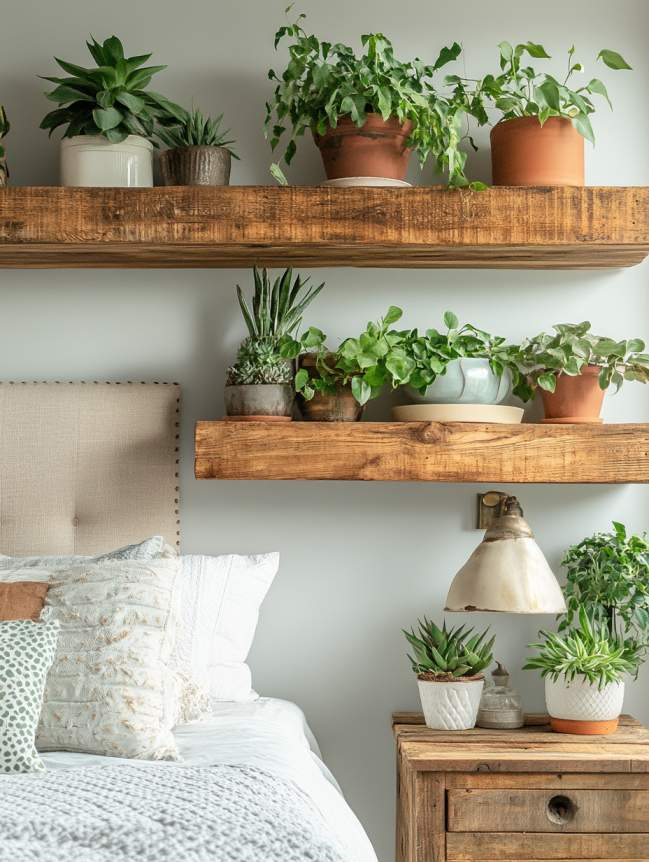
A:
(367, 113)
(539, 140)
(449, 665)
(199, 152)
(573, 368)
(4, 130)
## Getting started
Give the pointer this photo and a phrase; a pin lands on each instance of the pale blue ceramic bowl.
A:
(466, 381)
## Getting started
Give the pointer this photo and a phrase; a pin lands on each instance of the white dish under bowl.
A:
(458, 413)
(354, 182)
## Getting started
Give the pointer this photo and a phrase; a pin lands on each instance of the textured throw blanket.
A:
(156, 813)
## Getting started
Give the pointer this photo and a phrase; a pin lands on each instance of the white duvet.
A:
(267, 734)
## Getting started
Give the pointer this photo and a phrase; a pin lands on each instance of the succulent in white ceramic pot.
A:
(449, 664)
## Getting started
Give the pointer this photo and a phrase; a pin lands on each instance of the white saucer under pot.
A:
(496, 413)
(376, 182)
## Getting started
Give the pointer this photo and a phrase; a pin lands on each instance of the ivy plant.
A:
(324, 82)
(447, 654)
(4, 130)
(569, 349)
(196, 130)
(110, 99)
(521, 91)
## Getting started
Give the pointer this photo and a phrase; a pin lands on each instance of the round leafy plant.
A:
(4, 130)
(443, 654)
(324, 82)
(569, 349)
(110, 99)
(196, 130)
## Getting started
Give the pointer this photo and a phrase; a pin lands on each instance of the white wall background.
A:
(359, 561)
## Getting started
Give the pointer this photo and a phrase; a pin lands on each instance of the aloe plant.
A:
(110, 99)
(196, 130)
(448, 653)
(4, 129)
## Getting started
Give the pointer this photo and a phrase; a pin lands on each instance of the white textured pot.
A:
(450, 705)
(89, 160)
(581, 707)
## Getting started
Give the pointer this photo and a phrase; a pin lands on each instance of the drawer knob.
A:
(561, 810)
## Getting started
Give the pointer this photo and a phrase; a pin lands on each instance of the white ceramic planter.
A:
(465, 381)
(450, 705)
(582, 701)
(88, 160)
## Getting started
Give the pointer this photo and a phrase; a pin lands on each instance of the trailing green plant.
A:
(4, 130)
(196, 130)
(110, 99)
(324, 82)
(266, 355)
(520, 91)
(447, 654)
(587, 650)
(569, 349)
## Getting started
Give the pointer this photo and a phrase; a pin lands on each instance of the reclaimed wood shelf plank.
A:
(236, 226)
(423, 451)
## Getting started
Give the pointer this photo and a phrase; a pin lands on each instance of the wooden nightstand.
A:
(515, 795)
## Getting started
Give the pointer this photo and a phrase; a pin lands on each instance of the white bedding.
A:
(268, 734)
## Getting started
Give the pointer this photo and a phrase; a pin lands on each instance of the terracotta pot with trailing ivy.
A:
(260, 383)
(367, 113)
(199, 152)
(449, 666)
(539, 140)
(572, 368)
(110, 117)
(4, 130)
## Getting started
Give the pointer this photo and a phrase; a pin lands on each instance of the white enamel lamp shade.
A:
(507, 572)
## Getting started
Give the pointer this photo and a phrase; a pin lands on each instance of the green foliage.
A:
(588, 651)
(110, 99)
(449, 654)
(4, 130)
(571, 347)
(195, 130)
(258, 361)
(323, 82)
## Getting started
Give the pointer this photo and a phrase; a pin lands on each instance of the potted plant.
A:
(573, 368)
(366, 113)
(4, 130)
(449, 665)
(109, 116)
(260, 383)
(334, 386)
(583, 670)
(199, 151)
(539, 140)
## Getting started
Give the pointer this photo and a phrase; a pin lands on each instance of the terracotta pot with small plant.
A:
(367, 113)
(199, 152)
(4, 130)
(572, 368)
(539, 140)
(260, 383)
(449, 666)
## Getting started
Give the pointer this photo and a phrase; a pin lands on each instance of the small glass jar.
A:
(500, 706)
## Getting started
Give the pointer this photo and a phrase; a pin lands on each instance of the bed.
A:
(85, 468)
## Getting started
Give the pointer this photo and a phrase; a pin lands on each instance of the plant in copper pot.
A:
(573, 368)
(539, 140)
(367, 113)
(199, 152)
(4, 129)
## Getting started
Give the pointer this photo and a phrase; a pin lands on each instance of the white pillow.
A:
(148, 549)
(219, 608)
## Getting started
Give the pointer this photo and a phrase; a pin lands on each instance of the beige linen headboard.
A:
(86, 467)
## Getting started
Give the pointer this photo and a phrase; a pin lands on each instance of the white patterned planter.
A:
(91, 160)
(450, 705)
(581, 707)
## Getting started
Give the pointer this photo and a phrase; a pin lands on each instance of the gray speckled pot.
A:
(260, 399)
(195, 166)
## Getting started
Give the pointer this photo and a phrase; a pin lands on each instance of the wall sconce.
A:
(507, 572)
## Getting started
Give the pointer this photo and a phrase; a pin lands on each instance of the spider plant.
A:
(196, 130)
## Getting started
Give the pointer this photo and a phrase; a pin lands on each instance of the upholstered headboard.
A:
(86, 467)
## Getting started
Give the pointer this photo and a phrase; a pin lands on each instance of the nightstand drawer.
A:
(517, 847)
(549, 810)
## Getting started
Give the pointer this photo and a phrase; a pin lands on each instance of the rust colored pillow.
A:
(22, 600)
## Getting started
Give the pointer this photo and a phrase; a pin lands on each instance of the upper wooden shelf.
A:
(421, 451)
(543, 228)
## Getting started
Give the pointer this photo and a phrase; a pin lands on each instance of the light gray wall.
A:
(359, 561)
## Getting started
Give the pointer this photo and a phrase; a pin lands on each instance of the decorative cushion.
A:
(219, 606)
(26, 653)
(22, 600)
(149, 549)
(110, 690)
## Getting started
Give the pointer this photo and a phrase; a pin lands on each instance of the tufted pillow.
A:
(22, 600)
(148, 549)
(26, 653)
(110, 690)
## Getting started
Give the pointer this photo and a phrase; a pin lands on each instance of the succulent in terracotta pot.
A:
(199, 152)
(4, 129)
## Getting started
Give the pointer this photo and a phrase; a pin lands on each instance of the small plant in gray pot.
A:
(260, 383)
(4, 129)
(199, 152)
(449, 664)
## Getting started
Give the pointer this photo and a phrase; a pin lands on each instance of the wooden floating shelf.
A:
(421, 451)
(514, 228)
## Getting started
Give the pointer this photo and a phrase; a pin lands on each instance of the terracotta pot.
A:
(376, 149)
(340, 406)
(576, 399)
(195, 166)
(582, 707)
(526, 153)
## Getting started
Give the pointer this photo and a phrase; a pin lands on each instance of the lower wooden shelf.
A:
(423, 451)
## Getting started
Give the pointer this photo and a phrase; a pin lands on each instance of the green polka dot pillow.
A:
(27, 650)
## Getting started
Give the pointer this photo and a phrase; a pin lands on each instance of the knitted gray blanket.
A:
(155, 813)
